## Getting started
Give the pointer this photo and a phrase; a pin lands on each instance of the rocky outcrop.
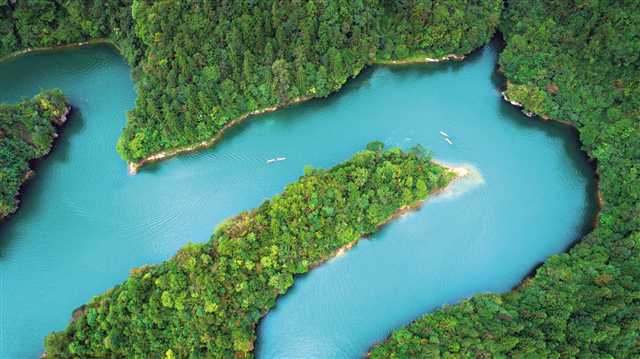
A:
(63, 118)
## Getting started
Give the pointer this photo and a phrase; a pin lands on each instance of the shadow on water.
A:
(587, 168)
(570, 139)
(30, 192)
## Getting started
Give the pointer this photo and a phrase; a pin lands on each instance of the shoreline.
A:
(29, 50)
(459, 173)
(531, 114)
(133, 167)
(600, 201)
(30, 173)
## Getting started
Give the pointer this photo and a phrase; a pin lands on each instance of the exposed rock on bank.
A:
(419, 60)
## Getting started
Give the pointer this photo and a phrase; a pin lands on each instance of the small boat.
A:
(444, 134)
(448, 141)
(277, 159)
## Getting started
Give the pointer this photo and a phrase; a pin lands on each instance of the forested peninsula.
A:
(206, 301)
(199, 66)
(580, 64)
(27, 132)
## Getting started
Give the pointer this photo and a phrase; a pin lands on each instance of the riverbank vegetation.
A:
(27, 131)
(580, 63)
(199, 65)
(207, 300)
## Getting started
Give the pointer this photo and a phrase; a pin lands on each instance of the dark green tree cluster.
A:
(26, 133)
(28, 24)
(206, 301)
(577, 62)
(198, 65)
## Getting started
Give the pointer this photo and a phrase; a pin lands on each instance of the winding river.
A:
(84, 223)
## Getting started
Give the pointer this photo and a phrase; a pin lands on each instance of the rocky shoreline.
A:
(449, 57)
(529, 113)
(518, 104)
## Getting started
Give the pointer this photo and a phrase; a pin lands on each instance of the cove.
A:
(84, 223)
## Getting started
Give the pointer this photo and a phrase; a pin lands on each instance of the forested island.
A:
(207, 300)
(579, 64)
(27, 132)
(198, 67)
(201, 66)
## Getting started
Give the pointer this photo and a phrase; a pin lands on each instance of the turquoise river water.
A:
(84, 223)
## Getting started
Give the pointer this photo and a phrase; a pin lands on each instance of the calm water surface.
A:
(84, 223)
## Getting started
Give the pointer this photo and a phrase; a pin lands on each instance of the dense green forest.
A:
(199, 65)
(577, 62)
(206, 301)
(26, 133)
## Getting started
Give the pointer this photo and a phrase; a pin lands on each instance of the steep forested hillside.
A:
(199, 65)
(26, 133)
(206, 301)
(577, 62)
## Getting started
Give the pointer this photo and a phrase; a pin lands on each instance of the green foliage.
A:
(206, 301)
(578, 62)
(375, 146)
(26, 133)
(200, 64)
